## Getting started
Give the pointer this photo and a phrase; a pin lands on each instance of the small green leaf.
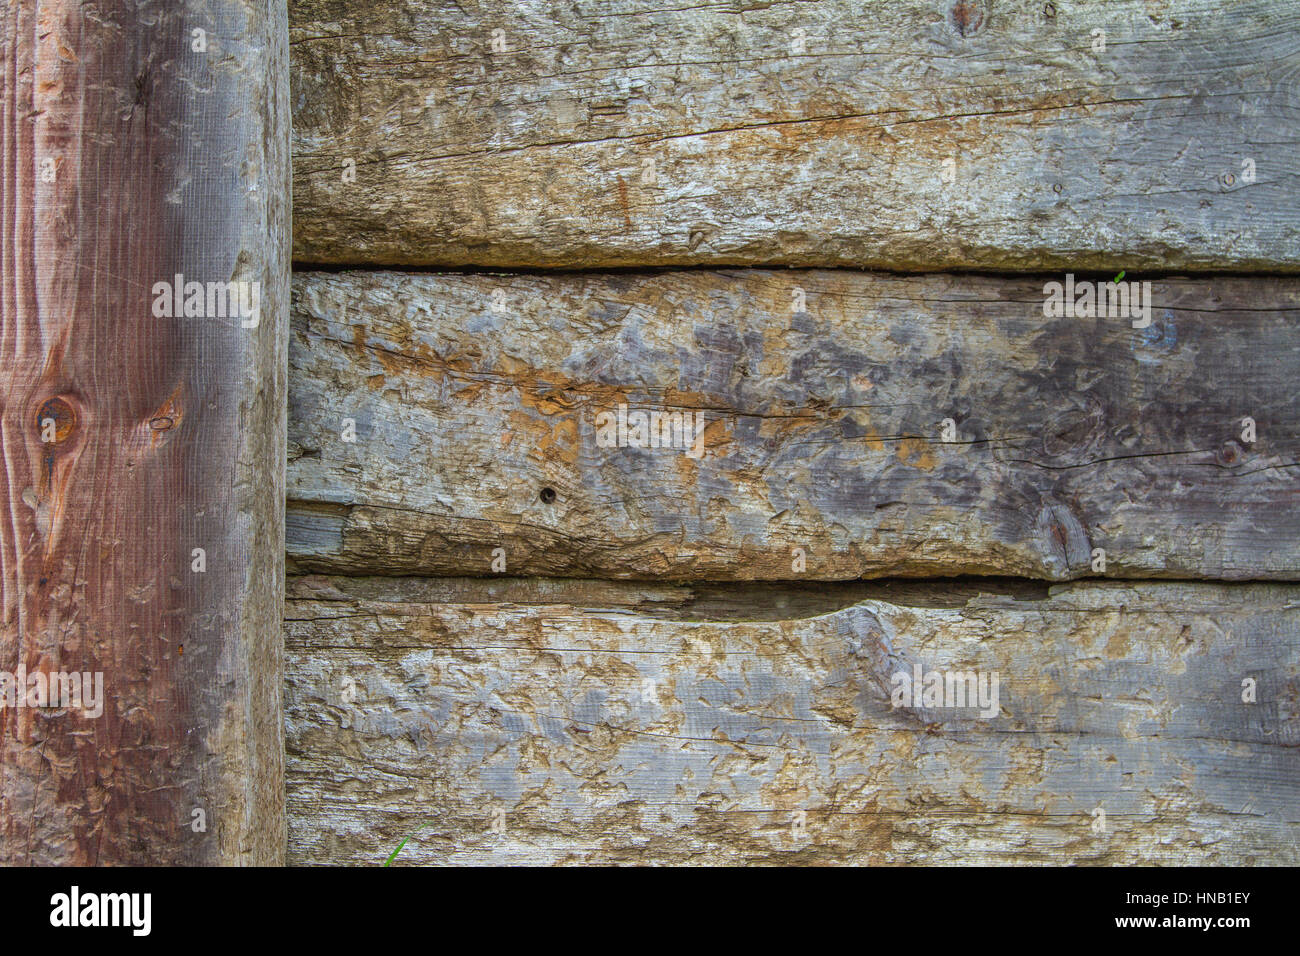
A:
(393, 855)
(397, 851)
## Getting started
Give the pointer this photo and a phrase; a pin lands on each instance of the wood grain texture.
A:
(170, 432)
(476, 398)
(595, 730)
(798, 134)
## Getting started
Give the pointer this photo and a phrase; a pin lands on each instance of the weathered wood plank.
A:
(476, 403)
(612, 735)
(142, 141)
(630, 133)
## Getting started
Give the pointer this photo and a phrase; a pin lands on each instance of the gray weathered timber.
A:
(476, 401)
(630, 133)
(589, 731)
(130, 157)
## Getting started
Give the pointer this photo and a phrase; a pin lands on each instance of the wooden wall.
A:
(507, 641)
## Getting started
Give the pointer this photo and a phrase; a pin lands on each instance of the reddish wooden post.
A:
(145, 145)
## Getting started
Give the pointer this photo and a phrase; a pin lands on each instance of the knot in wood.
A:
(1230, 453)
(59, 411)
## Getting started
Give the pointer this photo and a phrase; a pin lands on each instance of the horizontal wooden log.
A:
(474, 404)
(519, 733)
(907, 134)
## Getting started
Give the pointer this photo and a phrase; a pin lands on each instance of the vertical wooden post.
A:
(141, 475)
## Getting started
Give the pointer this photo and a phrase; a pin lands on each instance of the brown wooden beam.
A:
(854, 425)
(141, 484)
(889, 134)
(1132, 724)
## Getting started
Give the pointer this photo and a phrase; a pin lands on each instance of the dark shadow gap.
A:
(1218, 272)
(714, 601)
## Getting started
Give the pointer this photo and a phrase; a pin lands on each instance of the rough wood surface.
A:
(906, 134)
(476, 399)
(130, 157)
(530, 732)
